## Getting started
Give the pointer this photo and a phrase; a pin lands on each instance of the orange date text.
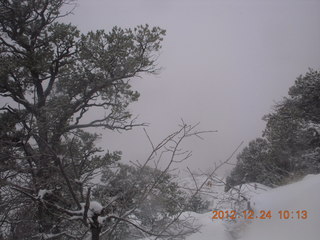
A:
(262, 214)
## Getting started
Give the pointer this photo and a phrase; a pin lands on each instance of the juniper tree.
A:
(52, 77)
(290, 140)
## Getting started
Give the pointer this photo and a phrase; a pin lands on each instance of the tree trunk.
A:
(95, 228)
(95, 232)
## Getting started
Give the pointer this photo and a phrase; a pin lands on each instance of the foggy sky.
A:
(224, 64)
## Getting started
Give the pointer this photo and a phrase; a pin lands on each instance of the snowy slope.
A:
(303, 195)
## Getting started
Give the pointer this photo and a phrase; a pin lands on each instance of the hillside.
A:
(299, 196)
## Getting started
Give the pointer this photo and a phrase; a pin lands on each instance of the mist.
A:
(223, 64)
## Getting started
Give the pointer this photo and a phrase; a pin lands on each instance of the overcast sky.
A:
(225, 64)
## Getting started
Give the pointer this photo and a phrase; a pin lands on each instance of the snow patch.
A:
(95, 207)
(43, 192)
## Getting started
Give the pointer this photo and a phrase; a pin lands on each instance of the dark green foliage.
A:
(290, 147)
(153, 195)
(305, 95)
(197, 204)
(52, 77)
(256, 163)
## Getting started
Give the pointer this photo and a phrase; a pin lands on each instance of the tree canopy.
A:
(52, 77)
(291, 139)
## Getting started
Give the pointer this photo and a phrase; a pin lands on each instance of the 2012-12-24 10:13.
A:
(262, 214)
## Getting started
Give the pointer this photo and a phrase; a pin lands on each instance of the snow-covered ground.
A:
(299, 196)
(303, 195)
